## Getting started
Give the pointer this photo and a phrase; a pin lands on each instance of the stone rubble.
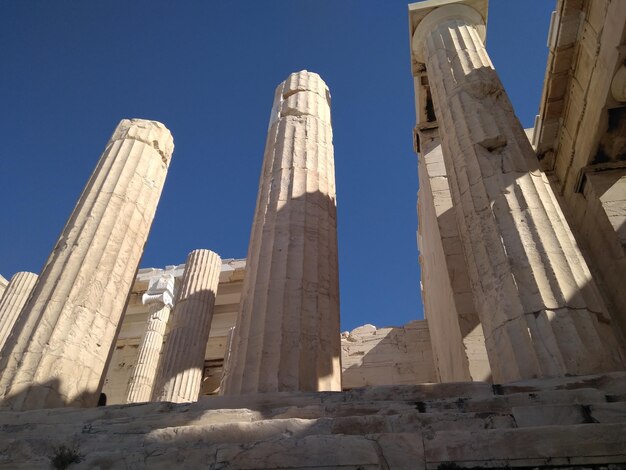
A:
(389, 356)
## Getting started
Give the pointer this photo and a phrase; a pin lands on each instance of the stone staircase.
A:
(577, 422)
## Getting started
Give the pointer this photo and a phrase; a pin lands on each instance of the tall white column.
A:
(13, 300)
(535, 297)
(160, 298)
(287, 335)
(182, 363)
(64, 334)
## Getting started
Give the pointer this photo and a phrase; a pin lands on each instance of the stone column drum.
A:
(62, 339)
(13, 300)
(287, 336)
(535, 297)
(182, 363)
(160, 299)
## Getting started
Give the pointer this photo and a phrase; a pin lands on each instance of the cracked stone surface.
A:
(62, 339)
(287, 333)
(575, 421)
(538, 305)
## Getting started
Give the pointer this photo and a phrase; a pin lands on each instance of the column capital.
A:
(160, 289)
(427, 15)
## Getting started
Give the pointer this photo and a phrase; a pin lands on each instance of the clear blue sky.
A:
(70, 70)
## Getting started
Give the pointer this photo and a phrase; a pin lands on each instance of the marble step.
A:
(420, 426)
(545, 446)
(586, 446)
(30, 442)
(550, 415)
(146, 417)
(218, 426)
(455, 397)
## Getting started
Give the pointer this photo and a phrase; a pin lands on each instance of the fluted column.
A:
(64, 334)
(535, 297)
(160, 298)
(11, 303)
(3, 285)
(182, 364)
(287, 335)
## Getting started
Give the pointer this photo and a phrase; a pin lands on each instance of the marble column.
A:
(160, 298)
(287, 336)
(539, 308)
(457, 338)
(182, 363)
(13, 300)
(63, 336)
(3, 285)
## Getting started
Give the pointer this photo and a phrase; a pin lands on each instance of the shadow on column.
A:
(39, 393)
(569, 329)
(181, 377)
(291, 338)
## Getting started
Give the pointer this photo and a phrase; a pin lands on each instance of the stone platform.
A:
(577, 422)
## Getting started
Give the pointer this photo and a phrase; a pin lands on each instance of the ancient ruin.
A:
(539, 308)
(520, 361)
(287, 334)
(181, 367)
(60, 343)
(160, 298)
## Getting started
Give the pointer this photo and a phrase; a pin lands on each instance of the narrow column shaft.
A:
(63, 337)
(287, 335)
(159, 297)
(13, 300)
(227, 359)
(182, 363)
(535, 297)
